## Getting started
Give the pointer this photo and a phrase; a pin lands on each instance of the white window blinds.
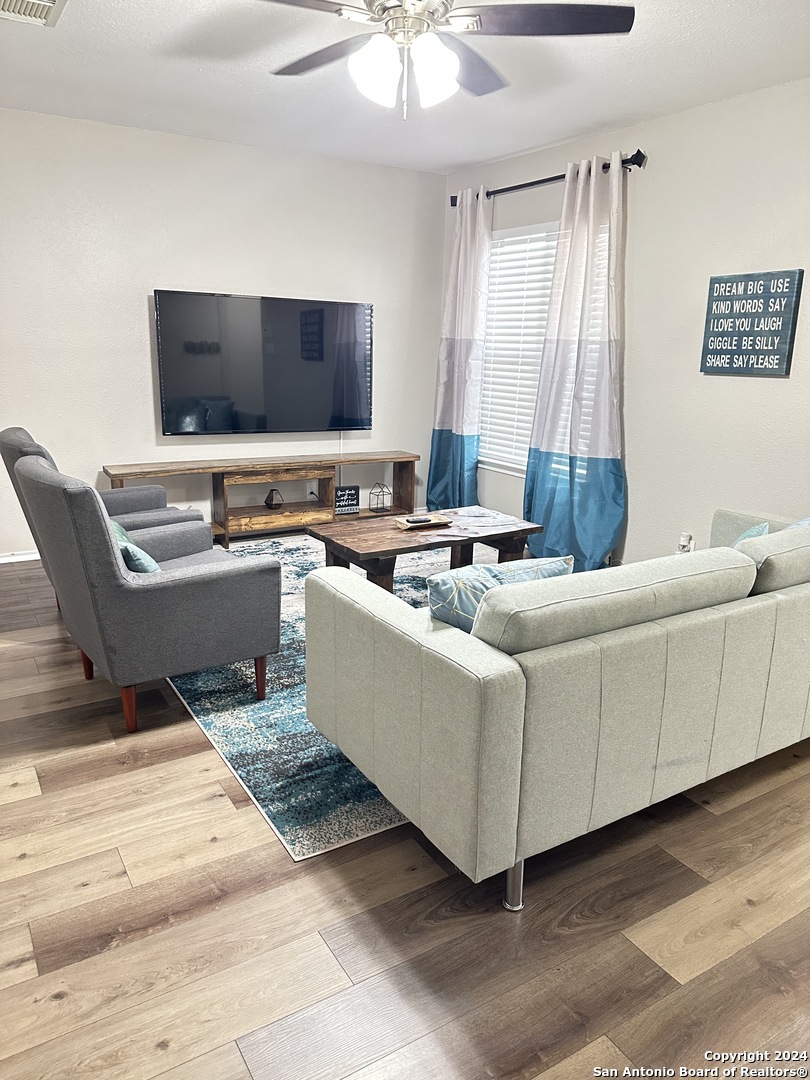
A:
(520, 269)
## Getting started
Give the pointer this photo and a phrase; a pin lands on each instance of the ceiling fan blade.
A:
(325, 56)
(541, 20)
(316, 5)
(476, 75)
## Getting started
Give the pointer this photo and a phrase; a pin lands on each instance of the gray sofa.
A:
(575, 700)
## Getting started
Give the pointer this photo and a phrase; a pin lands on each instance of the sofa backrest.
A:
(782, 558)
(73, 528)
(535, 614)
(16, 442)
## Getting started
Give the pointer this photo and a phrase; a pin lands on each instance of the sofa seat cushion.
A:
(454, 595)
(534, 614)
(782, 559)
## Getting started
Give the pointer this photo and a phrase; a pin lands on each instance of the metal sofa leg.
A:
(513, 897)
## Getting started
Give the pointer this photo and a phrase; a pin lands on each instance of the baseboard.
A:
(18, 556)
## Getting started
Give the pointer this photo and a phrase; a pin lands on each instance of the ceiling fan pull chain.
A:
(406, 63)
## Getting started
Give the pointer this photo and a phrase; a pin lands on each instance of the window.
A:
(520, 271)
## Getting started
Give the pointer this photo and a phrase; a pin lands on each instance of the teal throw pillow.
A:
(798, 524)
(454, 595)
(138, 560)
(755, 530)
(120, 533)
(135, 558)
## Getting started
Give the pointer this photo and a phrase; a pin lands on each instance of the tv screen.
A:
(256, 364)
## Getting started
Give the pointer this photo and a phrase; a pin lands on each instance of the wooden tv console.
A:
(229, 521)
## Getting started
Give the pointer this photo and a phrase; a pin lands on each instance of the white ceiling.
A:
(203, 67)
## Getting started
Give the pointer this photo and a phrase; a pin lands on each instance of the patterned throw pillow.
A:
(798, 524)
(135, 558)
(755, 530)
(454, 595)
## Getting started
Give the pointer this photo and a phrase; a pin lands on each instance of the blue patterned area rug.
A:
(312, 796)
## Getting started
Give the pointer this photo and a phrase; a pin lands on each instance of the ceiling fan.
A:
(424, 35)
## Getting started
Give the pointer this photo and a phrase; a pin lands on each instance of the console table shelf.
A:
(229, 521)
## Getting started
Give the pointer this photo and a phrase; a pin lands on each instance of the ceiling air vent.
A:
(37, 12)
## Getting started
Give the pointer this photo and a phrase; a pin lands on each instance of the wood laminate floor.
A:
(151, 924)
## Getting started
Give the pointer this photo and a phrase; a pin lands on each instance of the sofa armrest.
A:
(174, 541)
(728, 525)
(432, 716)
(131, 500)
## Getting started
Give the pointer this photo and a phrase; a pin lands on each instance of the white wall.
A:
(96, 217)
(725, 191)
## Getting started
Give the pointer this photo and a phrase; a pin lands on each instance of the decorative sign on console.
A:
(751, 323)
(347, 499)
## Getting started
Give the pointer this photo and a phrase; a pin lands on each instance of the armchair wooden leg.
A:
(87, 664)
(260, 663)
(130, 703)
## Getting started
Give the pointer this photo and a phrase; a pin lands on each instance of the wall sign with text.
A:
(751, 323)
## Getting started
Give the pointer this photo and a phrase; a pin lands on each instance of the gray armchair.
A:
(206, 607)
(133, 508)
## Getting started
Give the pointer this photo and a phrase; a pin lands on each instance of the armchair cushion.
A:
(144, 507)
(199, 558)
(173, 541)
(150, 519)
(133, 499)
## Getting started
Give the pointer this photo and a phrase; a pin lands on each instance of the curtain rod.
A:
(638, 159)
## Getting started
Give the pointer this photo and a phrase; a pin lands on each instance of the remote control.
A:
(418, 520)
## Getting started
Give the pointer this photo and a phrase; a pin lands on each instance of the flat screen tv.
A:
(256, 364)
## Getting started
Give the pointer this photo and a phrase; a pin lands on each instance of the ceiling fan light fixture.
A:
(435, 68)
(376, 70)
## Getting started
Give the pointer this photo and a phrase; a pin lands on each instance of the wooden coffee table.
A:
(373, 544)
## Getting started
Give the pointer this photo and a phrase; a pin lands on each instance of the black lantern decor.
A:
(379, 499)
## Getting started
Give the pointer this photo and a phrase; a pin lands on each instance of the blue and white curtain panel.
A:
(575, 481)
(453, 472)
